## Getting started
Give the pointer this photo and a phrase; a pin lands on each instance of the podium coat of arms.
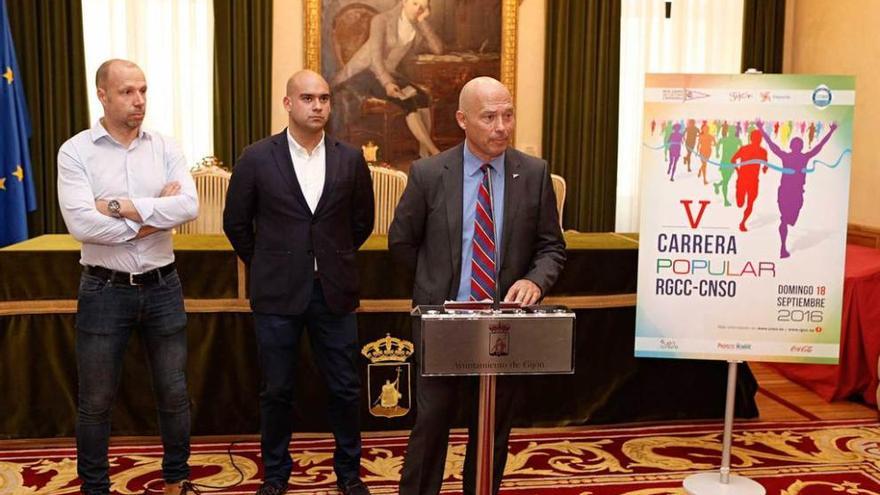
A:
(388, 376)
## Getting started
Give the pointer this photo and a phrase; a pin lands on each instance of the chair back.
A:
(388, 186)
(559, 190)
(350, 29)
(211, 185)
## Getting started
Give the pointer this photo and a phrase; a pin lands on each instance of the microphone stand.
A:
(486, 413)
(496, 299)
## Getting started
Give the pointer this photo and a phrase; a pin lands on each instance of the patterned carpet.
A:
(804, 458)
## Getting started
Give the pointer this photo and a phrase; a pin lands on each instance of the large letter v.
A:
(687, 209)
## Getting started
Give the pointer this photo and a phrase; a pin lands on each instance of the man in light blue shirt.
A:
(122, 190)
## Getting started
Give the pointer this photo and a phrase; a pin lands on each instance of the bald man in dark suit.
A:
(477, 221)
(299, 206)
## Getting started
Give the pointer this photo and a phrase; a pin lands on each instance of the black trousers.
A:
(438, 399)
(335, 348)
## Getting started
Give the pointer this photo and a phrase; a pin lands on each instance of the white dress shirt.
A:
(310, 169)
(92, 166)
(406, 32)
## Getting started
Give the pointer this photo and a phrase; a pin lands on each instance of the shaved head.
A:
(105, 69)
(478, 89)
(304, 78)
(307, 103)
(485, 113)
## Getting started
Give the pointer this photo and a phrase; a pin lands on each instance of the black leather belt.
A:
(124, 278)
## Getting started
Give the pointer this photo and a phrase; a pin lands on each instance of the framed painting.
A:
(395, 67)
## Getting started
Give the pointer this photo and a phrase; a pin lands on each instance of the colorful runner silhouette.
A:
(786, 131)
(747, 174)
(706, 142)
(673, 145)
(790, 195)
(690, 140)
(728, 145)
(667, 131)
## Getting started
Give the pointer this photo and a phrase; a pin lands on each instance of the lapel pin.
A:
(515, 176)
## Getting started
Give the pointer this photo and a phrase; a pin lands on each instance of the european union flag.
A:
(16, 183)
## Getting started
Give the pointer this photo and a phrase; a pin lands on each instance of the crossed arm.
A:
(127, 209)
(89, 220)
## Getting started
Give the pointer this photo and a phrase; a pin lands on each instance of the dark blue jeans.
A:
(106, 317)
(335, 346)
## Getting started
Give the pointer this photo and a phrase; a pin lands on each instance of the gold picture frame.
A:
(441, 117)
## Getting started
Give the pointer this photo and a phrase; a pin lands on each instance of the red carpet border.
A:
(805, 458)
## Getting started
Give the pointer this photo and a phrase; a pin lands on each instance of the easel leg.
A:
(725, 484)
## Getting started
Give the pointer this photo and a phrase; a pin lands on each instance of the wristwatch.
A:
(113, 206)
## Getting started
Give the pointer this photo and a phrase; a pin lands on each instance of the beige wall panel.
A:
(842, 37)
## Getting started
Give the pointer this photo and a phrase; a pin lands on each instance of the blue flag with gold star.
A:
(16, 183)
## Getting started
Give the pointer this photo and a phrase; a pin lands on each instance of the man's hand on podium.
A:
(523, 291)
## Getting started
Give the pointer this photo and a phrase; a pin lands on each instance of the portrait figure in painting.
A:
(396, 66)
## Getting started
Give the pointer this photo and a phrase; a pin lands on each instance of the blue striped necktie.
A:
(483, 254)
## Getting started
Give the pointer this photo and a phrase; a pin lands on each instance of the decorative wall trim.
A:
(68, 306)
(863, 235)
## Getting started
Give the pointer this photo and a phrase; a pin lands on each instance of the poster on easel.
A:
(744, 184)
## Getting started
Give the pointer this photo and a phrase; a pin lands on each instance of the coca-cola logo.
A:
(802, 349)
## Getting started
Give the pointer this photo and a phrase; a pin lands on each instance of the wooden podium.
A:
(467, 339)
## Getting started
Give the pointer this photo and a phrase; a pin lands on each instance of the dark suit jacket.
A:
(426, 232)
(275, 233)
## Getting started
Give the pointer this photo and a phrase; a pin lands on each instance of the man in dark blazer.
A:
(299, 206)
(478, 221)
